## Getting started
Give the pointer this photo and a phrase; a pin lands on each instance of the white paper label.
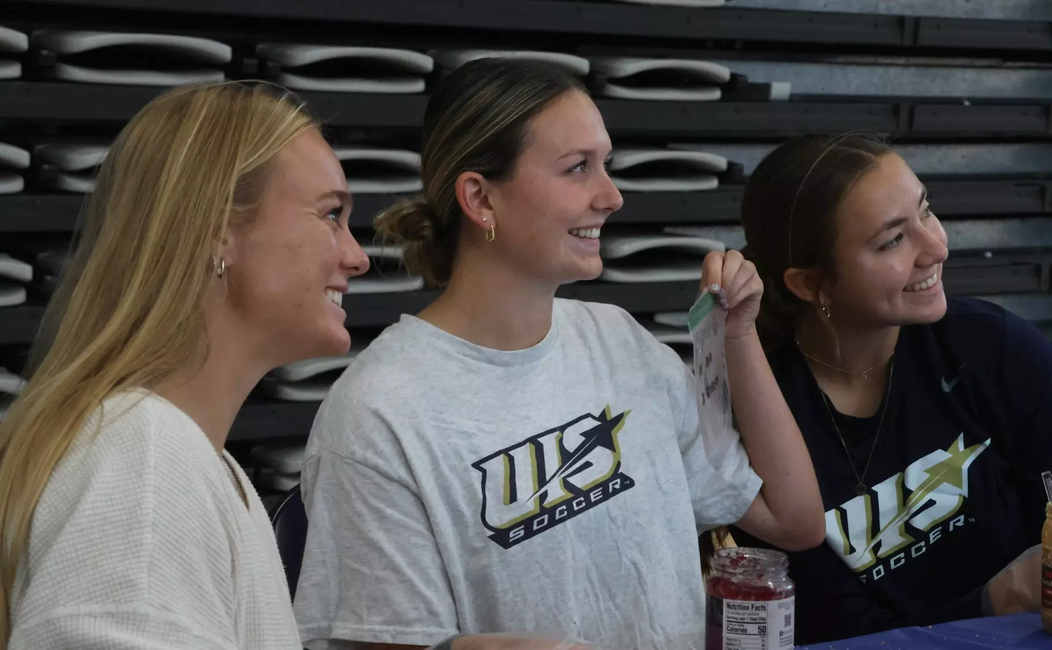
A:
(758, 625)
(715, 416)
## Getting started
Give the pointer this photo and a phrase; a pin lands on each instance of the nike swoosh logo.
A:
(947, 386)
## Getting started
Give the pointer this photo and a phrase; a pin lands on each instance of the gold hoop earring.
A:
(218, 266)
(491, 234)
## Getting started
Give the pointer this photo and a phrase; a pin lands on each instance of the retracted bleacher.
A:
(693, 96)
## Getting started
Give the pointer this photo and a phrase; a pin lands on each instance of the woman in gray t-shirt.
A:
(510, 461)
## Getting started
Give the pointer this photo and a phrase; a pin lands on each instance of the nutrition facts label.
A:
(758, 625)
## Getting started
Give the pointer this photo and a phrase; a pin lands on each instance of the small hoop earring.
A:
(825, 310)
(491, 234)
(218, 266)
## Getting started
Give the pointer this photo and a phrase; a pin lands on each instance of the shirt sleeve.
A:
(127, 627)
(722, 483)
(1027, 377)
(127, 551)
(372, 571)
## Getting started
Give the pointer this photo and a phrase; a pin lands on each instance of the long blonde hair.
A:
(129, 310)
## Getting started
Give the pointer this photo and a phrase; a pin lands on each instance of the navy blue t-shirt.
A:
(955, 491)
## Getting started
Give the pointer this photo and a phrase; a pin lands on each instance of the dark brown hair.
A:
(789, 212)
(475, 121)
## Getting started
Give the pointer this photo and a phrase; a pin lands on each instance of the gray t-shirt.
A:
(452, 488)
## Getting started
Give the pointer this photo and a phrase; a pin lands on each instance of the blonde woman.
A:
(214, 248)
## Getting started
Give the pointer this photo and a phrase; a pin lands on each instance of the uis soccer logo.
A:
(551, 477)
(905, 515)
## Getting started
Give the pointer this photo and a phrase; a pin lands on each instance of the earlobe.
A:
(473, 195)
(228, 246)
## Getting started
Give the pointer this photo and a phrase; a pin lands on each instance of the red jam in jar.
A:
(750, 601)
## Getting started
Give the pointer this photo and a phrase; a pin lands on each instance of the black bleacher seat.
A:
(978, 137)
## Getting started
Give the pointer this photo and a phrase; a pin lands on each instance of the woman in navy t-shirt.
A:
(928, 418)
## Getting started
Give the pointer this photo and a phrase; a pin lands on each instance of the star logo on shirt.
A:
(949, 471)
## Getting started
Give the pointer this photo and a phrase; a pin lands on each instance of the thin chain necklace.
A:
(864, 373)
(860, 487)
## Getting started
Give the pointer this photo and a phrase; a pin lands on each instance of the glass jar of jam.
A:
(750, 602)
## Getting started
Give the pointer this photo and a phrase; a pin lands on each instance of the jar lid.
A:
(740, 559)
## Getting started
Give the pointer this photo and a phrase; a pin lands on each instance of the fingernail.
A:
(722, 297)
(714, 288)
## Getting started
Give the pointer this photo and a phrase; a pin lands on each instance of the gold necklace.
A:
(864, 373)
(860, 487)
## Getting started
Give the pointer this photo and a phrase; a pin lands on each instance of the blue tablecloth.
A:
(1017, 631)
